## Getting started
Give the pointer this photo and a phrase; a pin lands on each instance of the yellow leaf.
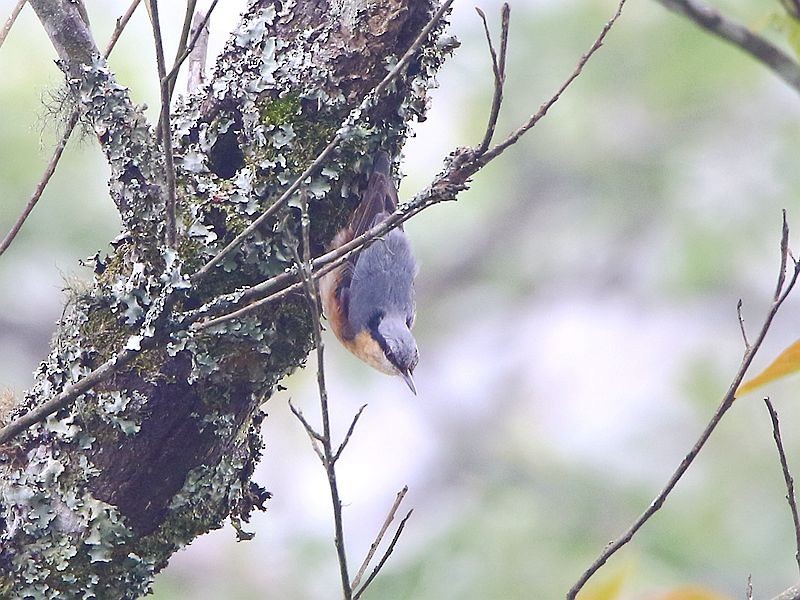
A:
(693, 592)
(608, 589)
(788, 362)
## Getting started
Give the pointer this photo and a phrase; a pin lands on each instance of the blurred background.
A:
(577, 318)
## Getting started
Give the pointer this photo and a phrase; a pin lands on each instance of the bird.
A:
(369, 299)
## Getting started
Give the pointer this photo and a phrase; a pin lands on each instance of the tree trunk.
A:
(97, 498)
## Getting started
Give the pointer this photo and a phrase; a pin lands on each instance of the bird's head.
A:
(400, 354)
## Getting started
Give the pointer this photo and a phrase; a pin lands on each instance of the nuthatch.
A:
(369, 299)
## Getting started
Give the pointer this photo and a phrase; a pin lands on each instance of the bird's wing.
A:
(379, 199)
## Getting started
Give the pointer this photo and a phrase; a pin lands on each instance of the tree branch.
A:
(715, 22)
(374, 546)
(171, 235)
(328, 455)
(781, 292)
(499, 70)
(68, 32)
(11, 20)
(385, 556)
(137, 171)
(62, 143)
(787, 476)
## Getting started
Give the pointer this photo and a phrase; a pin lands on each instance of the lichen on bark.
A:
(94, 500)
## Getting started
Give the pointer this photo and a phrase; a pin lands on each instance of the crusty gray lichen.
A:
(95, 500)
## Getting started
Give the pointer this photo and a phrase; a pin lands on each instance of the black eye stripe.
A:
(376, 335)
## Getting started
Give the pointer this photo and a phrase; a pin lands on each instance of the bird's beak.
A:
(406, 375)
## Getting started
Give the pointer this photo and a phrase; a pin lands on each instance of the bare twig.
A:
(713, 21)
(42, 184)
(514, 137)
(499, 69)
(787, 476)
(741, 323)
(727, 401)
(120, 27)
(353, 117)
(349, 433)
(171, 229)
(786, 255)
(385, 556)
(11, 20)
(313, 435)
(62, 143)
(329, 461)
(374, 546)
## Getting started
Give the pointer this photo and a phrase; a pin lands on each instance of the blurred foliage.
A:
(577, 319)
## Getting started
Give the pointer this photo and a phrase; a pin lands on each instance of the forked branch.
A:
(787, 475)
(783, 288)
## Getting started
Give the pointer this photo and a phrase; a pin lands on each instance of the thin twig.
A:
(329, 461)
(12, 18)
(726, 403)
(384, 558)
(760, 48)
(42, 184)
(349, 433)
(354, 115)
(374, 546)
(499, 69)
(120, 27)
(786, 253)
(62, 143)
(741, 324)
(171, 229)
(313, 435)
(512, 139)
(787, 476)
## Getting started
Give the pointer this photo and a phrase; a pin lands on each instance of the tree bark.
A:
(94, 501)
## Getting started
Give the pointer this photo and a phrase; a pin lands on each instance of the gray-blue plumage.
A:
(383, 281)
(370, 299)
